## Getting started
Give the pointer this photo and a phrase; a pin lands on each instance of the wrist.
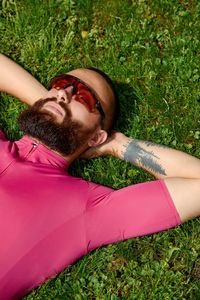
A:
(119, 145)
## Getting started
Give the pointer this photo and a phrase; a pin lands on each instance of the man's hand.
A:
(112, 146)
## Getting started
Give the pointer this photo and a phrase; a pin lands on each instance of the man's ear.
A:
(99, 138)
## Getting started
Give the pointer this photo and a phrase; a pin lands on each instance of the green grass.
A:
(151, 49)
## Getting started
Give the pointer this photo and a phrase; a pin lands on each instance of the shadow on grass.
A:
(128, 102)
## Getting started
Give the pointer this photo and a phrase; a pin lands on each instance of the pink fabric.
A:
(48, 219)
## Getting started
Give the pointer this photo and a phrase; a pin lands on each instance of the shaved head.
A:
(104, 91)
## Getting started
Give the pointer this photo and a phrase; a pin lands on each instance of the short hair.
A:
(111, 84)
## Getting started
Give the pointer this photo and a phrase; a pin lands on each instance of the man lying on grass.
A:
(48, 219)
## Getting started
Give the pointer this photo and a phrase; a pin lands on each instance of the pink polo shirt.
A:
(48, 219)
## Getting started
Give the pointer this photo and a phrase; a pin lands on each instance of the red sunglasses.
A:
(82, 92)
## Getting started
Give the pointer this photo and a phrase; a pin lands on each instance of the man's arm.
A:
(161, 161)
(17, 82)
(180, 171)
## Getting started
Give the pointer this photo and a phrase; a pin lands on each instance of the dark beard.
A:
(64, 138)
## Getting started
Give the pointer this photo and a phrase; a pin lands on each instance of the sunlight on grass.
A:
(151, 51)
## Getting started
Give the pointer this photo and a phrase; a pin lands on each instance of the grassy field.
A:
(151, 49)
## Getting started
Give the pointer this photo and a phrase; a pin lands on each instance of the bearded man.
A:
(48, 219)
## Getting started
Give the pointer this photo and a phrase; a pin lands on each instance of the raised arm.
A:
(17, 82)
(161, 161)
(180, 171)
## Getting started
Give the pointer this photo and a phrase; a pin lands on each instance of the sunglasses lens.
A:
(59, 82)
(81, 92)
(85, 96)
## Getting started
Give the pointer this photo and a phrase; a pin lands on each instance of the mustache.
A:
(40, 103)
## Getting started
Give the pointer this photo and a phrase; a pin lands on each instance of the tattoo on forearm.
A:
(140, 157)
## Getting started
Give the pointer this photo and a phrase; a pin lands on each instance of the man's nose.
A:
(62, 95)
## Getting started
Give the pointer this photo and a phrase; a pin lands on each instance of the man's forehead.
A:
(88, 76)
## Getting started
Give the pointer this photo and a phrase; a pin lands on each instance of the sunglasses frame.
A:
(98, 104)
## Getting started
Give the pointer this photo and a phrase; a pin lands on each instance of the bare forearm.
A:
(17, 82)
(161, 161)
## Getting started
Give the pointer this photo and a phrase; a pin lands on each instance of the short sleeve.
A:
(97, 194)
(140, 209)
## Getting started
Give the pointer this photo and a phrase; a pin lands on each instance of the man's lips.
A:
(54, 107)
